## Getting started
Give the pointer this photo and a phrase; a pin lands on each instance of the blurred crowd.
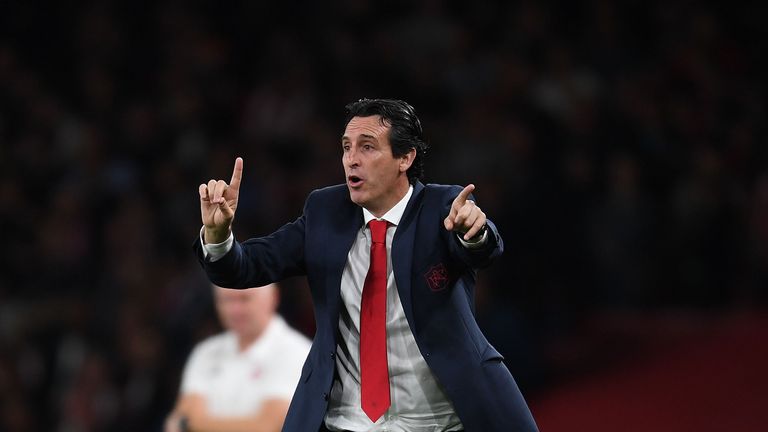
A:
(619, 146)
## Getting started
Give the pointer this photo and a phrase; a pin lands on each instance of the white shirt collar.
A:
(264, 341)
(394, 214)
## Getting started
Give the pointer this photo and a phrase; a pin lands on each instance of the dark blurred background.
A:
(619, 146)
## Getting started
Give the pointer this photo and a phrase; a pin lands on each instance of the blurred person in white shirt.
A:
(243, 378)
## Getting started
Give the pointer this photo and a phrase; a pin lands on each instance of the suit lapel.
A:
(402, 251)
(345, 224)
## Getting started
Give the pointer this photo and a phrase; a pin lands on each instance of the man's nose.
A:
(351, 157)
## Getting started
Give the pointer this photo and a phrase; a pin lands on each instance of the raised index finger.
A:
(237, 174)
(464, 194)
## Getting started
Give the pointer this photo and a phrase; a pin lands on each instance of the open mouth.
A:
(354, 181)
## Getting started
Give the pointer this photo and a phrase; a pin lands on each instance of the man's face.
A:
(376, 179)
(246, 312)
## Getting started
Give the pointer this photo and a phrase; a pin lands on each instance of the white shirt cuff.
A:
(216, 250)
(474, 244)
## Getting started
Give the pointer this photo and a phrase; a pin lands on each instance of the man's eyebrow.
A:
(371, 137)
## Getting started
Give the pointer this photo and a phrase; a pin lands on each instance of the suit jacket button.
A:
(325, 396)
(333, 355)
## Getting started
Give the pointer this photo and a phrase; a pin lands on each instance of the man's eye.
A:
(367, 146)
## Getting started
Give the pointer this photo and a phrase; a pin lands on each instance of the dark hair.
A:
(404, 128)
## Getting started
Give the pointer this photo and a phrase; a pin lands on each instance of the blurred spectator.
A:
(242, 379)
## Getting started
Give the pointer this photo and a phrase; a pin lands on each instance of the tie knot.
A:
(378, 230)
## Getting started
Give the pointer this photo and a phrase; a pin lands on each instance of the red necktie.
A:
(374, 375)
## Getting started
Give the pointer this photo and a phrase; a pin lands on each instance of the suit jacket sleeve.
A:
(259, 261)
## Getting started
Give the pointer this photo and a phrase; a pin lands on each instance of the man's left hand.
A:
(465, 216)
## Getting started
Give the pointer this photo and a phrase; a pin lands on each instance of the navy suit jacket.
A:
(435, 278)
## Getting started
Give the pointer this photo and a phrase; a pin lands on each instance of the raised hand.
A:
(465, 216)
(218, 203)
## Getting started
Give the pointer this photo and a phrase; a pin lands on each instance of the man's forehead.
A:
(370, 125)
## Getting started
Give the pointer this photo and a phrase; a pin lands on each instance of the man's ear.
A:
(406, 160)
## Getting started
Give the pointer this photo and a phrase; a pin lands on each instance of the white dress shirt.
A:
(418, 403)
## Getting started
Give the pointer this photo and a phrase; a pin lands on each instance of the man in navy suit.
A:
(391, 264)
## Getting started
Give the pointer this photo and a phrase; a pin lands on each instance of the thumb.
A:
(226, 210)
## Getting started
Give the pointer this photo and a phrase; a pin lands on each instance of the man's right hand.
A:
(218, 203)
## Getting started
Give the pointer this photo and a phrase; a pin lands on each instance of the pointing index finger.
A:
(237, 174)
(464, 194)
